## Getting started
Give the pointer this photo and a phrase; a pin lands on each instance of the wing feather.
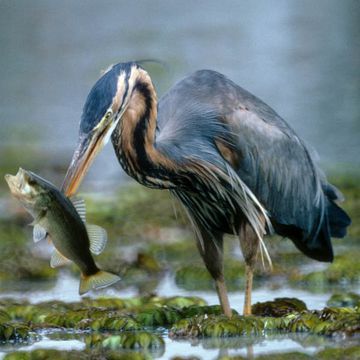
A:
(274, 162)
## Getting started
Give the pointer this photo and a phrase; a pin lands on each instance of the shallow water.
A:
(65, 289)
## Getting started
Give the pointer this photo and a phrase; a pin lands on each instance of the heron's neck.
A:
(134, 137)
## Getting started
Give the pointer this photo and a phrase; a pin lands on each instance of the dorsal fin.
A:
(79, 205)
(58, 259)
(97, 237)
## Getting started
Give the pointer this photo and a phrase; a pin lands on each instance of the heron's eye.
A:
(108, 115)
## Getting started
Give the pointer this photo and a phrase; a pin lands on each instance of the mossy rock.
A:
(344, 300)
(278, 307)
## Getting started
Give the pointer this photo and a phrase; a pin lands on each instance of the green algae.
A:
(347, 353)
(16, 260)
(329, 321)
(344, 269)
(139, 212)
(98, 354)
(273, 356)
(14, 331)
(284, 315)
(196, 277)
(103, 314)
(126, 340)
(343, 353)
(344, 300)
(217, 326)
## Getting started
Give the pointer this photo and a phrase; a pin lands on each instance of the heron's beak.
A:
(87, 149)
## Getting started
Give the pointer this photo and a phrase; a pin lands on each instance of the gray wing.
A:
(273, 161)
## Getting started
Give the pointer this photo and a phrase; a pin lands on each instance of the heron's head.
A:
(103, 110)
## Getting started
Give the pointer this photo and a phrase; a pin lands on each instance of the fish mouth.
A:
(11, 181)
(16, 182)
(88, 147)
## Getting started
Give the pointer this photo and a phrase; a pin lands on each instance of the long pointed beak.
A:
(87, 149)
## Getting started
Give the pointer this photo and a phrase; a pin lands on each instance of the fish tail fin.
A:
(96, 281)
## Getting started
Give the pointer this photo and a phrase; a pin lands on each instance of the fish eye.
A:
(31, 182)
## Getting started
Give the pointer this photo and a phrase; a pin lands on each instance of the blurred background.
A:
(300, 57)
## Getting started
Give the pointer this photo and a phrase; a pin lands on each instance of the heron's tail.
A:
(317, 244)
(334, 224)
(338, 220)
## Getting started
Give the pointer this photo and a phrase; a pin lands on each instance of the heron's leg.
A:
(211, 250)
(249, 243)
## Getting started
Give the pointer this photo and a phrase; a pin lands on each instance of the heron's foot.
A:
(223, 296)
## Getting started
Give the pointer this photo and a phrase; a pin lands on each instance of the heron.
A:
(233, 163)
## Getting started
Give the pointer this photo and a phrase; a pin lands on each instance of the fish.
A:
(63, 222)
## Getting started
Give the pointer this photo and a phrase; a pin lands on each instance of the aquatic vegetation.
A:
(347, 353)
(278, 307)
(344, 299)
(196, 277)
(139, 212)
(350, 187)
(14, 331)
(329, 321)
(97, 354)
(94, 320)
(345, 268)
(16, 260)
(162, 316)
(217, 326)
(127, 340)
(273, 356)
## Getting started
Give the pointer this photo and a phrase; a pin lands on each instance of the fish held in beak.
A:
(88, 147)
(83, 157)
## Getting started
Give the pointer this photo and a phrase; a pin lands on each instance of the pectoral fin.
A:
(97, 237)
(39, 233)
(58, 259)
